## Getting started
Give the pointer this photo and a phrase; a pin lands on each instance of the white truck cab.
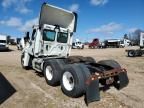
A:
(51, 41)
(142, 40)
(137, 52)
(77, 44)
(3, 42)
(52, 37)
(125, 43)
(48, 51)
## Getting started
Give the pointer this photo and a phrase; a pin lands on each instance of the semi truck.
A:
(18, 42)
(21, 42)
(125, 43)
(94, 44)
(13, 41)
(48, 51)
(137, 52)
(3, 43)
(112, 43)
(77, 44)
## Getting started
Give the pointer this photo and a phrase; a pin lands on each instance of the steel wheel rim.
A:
(131, 53)
(49, 73)
(68, 81)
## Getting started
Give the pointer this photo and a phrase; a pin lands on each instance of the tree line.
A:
(134, 36)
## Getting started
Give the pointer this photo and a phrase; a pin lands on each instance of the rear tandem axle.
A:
(116, 77)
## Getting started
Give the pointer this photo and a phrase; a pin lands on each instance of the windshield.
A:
(2, 41)
(121, 42)
(62, 37)
(49, 35)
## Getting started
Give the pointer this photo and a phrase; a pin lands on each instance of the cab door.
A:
(35, 44)
(55, 44)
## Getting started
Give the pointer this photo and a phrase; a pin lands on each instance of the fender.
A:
(26, 58)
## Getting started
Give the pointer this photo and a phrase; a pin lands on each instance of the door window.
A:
(2, 41)
(49, 35)
(62, 37)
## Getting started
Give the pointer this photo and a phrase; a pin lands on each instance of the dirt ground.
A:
(33, 92)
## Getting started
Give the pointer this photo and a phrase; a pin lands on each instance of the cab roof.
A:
(53, 15)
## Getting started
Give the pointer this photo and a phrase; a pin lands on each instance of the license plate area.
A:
(109, 81)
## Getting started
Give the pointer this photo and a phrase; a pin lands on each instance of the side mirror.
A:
(33, 34)
(71, 34)
(27, 36)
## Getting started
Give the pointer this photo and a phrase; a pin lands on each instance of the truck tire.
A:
(22, 62)
(140, 53)
(82, 47)
(89, 47)
(131, 53)
(90, 60)
(73, 80)
(81, 59)
(111, 63)
(53, 70)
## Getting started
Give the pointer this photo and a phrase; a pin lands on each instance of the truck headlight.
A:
(6, 46)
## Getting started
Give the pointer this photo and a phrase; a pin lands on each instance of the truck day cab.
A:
(77, 44)
(3, 43)
(137, 52)
(48, 51)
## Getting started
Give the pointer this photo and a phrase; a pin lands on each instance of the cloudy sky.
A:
(96, 18)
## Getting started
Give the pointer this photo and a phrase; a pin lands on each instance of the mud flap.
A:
(92, 92)
(123, 81)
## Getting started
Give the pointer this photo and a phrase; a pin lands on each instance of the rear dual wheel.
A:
(134, 53)
(53, 70)
(111, 63)
(78, 59)
(131, 53)
(73, 80)
(72, 76)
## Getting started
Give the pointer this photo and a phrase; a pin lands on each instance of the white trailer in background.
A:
(3, 42)
(137, 52)
(117, 43)
(113, 43)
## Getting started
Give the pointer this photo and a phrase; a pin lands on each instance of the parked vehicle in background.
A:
(142, 41)
(22, 42)
(102, 45)
(122, 45)
(125, 43)
(137, 52)
(94, 44)
(13, 41)
(19, 46)
(112, 43)
(77, 44)
(3, 43)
